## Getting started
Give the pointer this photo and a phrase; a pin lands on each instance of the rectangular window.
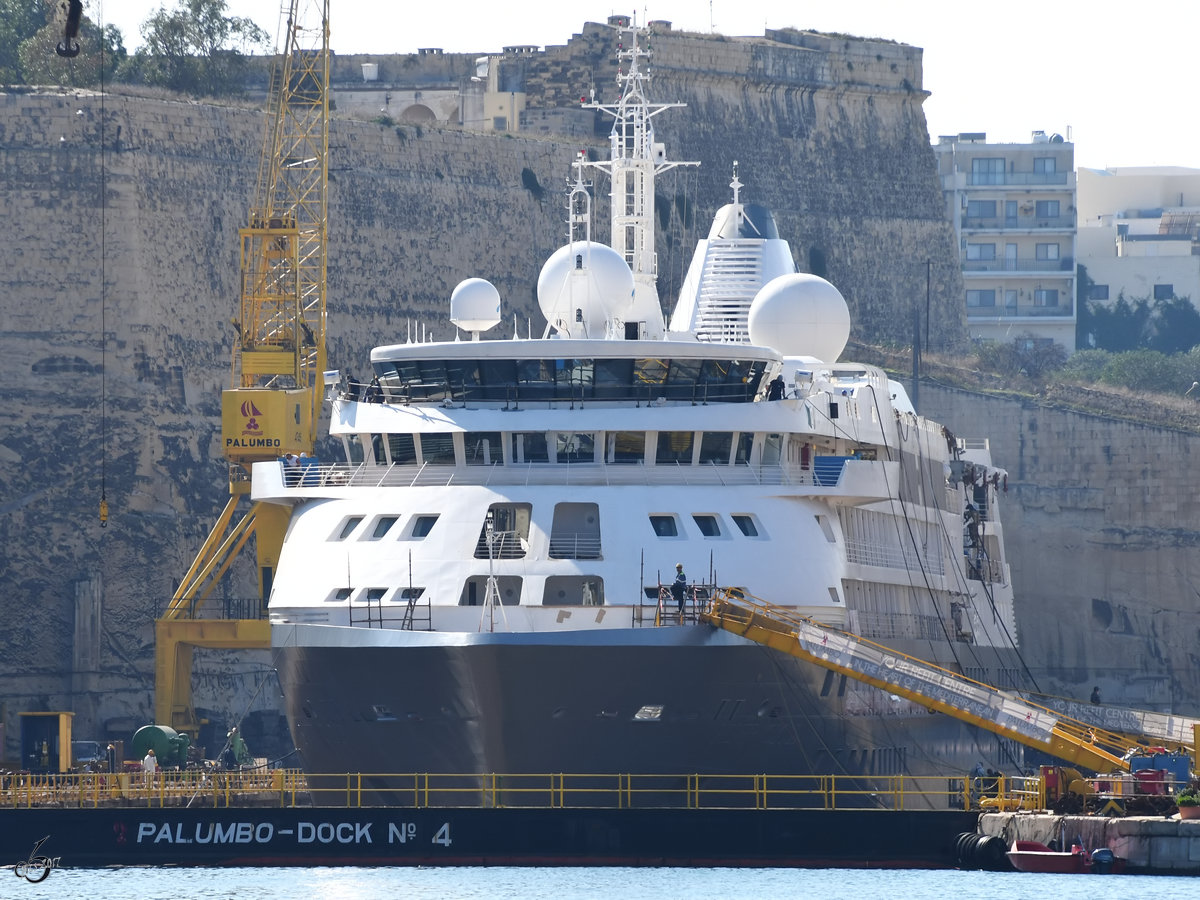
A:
(1044, 165)
(509, 532)
(375, 595)
(571, 447)
(1098, 292)
(745, 443)
(1045, 297)
(626, 447)
(529, 447)
(483, 448)
(981, 251)
(665, 526)
(981, 298)
(1047, 209)
(403, 449)
(715, 447)
(981, 209)
(341, 595)
(708, 525)
(437, 449)
(1047, 251)
(987, 170)
(674, 447)
(1164, 291)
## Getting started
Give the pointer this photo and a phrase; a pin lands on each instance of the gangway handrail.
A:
(995, 710)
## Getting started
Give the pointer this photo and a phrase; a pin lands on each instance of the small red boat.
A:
(1034, 856)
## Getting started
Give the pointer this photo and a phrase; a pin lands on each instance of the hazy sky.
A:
(1119, 83)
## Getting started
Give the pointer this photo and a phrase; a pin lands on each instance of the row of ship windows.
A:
(488, 448)
(575, 525)
(558, 590)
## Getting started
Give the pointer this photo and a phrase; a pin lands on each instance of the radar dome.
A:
(582, 286)
(800, 315)
(475, 305)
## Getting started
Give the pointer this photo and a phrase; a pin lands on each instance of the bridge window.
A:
(571, 447)
(403, 449)
(437, 449)
(715, 447)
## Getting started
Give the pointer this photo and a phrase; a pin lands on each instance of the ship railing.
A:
(574, 546)
(285, 788)
(607, 474)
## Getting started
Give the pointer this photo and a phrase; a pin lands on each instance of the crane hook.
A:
(68, 47)
(103, 512)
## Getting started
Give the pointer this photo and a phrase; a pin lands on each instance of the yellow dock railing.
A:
(556, 790)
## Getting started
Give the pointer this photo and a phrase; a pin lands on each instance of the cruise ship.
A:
(481, 584)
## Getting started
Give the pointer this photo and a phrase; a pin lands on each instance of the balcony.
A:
(1021, 311)
(1009, 223)
(1006, 179)
(1042, 266)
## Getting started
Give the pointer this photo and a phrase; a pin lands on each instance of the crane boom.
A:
(274, 402)
(1000, 712)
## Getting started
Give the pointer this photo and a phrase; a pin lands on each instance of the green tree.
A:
(196, 49)
(98, 55)
(19, 21)
(1176, 326)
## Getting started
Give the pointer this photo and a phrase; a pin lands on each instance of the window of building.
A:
(382, 524)
(1098, 292)
(1010, 299)
(1044, 165)
(981, 251)
(1045, 297)
(976, 298)
(348, 527)
(1046, 209)
(665, 526)
(483, 448)
(1047, 251)
(1164, 291)
(981, 209)
(987, 170)
(746, 524)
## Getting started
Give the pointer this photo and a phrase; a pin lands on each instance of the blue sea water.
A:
(589, 884)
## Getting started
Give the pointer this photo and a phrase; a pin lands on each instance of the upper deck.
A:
(572, 371)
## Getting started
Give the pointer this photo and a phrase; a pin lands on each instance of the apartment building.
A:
(1013, 209)
(1139, 233)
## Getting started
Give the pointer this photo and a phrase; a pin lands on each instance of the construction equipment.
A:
(1000, 712)
(274, 404)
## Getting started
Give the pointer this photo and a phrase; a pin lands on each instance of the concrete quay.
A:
(1151, 845)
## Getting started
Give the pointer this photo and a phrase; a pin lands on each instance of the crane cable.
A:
(103, 299)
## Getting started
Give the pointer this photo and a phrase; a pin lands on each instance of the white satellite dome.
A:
(475, 305)
(800, 315)
(582, 286)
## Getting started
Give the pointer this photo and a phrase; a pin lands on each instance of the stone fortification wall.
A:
(1102, 523)
(145, 196)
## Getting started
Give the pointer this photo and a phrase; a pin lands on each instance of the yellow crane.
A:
(273, 405)
(1000, 712)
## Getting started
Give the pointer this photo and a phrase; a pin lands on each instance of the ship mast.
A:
(635, 160)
